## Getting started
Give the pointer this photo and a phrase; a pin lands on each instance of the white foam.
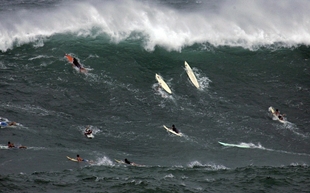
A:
(104, 161)
(160, 91)
(249, 24)
(169, 176)
(203, 80)
(212, 166)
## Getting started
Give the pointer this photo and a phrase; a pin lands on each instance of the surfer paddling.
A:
(174, 129)
(131, 163)
(276, 114)
(11, 145)
(279, 115)
(4, 122)
(75, 63)
(88, 131)
(79, 159)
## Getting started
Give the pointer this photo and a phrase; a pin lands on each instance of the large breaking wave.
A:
(248, 24)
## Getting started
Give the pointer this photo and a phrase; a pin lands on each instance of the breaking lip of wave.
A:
(250, 25)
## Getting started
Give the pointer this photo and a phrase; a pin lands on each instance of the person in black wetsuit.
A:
(131, 163)
(127, 161)
(76, 63)
(174, 129)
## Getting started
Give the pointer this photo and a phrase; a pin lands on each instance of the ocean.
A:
(247, 56)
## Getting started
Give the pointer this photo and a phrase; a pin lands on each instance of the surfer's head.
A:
(77, 155)
(173, 126)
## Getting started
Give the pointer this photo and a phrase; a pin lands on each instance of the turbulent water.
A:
(246, 55)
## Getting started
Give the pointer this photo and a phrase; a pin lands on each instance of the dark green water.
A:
(239, 78)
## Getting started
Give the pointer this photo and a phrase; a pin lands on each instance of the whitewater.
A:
(250, 24)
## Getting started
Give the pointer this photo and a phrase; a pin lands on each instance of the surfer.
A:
(11, 145)
(75, 63)
(131, 163)
(88, 131)
(79, 159)
(279, 115)
(174, 129)
(127, 161)
(6, 124)
(12, 123)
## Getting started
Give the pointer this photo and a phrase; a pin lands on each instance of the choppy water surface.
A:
(246, 58)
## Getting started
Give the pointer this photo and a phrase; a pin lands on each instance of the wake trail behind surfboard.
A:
(259, 146)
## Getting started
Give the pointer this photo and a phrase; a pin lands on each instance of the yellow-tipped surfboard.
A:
(72, 159)
(171, 131)
(162, 83)
(191, 75)
(119, 161)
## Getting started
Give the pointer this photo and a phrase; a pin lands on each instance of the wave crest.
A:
(250, 24)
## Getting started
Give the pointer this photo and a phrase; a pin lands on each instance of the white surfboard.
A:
(170, 130)
(75, 160)
(162, 83)
(16, 147)
(275, 117)
(72, 159)
(4, 147)
(4, 119)
(191, 75)
(89, 136)
(235, 145)
(119, 161)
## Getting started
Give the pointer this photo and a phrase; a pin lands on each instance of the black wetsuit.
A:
(76, 63)
(175, 130)
(127, 162)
